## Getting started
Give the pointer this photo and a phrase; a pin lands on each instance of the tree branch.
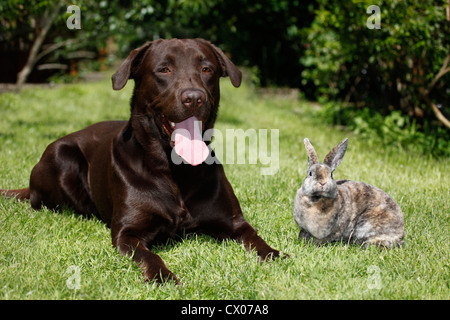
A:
(444, 69)
(54, 47)
(425, 92)
(437, 112)
(448, 10)
(48, 19)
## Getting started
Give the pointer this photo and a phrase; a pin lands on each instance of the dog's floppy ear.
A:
(126, 69)
(228, 67)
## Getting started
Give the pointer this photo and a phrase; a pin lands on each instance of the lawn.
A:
(48, 255)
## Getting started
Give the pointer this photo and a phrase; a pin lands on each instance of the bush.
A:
(262, 34)
(395, 129)
(393, 68)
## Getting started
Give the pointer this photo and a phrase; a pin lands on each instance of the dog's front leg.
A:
(129, 242)
(247, 234)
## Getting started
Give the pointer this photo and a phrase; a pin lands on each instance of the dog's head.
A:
(175, 80)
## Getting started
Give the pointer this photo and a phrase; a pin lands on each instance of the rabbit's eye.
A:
(310, 173)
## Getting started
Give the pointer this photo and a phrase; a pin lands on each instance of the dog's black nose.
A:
(193, 98)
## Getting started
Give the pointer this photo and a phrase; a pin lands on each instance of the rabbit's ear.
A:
(312, 155)
(334, 157)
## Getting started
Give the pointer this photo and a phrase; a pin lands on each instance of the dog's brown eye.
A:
(164, 70)
(206, 69)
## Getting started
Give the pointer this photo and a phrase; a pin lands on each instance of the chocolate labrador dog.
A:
(124, 172)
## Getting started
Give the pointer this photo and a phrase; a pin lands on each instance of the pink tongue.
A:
(188, 141)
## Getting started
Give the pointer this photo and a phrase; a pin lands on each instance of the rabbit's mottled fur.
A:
(327, 210)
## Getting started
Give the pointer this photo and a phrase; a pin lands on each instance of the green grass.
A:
(38, 247)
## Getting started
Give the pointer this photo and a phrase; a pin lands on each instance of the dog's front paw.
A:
(272, 254)
(161, 276)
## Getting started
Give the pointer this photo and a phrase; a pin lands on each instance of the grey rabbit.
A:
(343, 210)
